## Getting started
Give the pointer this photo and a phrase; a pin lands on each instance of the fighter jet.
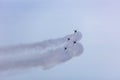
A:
(75, 31)
(65, 48)
(74, 42)
(68, 39)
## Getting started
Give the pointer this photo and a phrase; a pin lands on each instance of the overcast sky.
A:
(29, 21)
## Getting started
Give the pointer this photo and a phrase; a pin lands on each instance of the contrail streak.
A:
(45, 54)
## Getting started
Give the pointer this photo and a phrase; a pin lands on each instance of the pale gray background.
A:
(28, 21)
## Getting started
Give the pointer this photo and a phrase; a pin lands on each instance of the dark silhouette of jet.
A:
(74, 42)
(68, 39)
(65, 48)
(75, 31)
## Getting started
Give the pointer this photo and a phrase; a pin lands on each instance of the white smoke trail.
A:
(45, 54)
(40, 45)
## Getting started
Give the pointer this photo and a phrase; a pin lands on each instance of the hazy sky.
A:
(28, 21)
